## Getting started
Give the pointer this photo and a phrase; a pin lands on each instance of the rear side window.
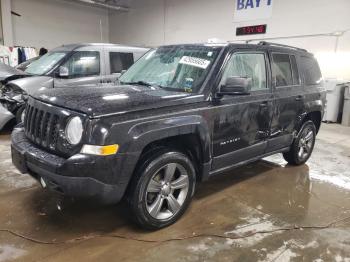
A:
(120, 61)
(282, 70)
(311, 70)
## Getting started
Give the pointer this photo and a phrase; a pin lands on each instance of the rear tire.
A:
(162, 189)
(303, 145)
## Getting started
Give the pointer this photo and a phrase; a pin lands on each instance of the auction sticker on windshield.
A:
(194, 61)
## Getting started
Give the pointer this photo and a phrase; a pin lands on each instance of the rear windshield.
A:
(311, 71)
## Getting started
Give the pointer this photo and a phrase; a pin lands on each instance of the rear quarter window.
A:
(311, 71)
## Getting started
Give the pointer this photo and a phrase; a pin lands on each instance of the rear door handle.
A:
(299, 98)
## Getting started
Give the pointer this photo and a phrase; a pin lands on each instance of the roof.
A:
(71, 47)
(261, 45)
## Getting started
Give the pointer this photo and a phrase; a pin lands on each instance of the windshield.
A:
(45, 63)
(181, 68)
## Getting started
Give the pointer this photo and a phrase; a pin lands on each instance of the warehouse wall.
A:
(50, 23)
(174, 21)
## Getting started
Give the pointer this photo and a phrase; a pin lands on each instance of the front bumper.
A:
(77, 176)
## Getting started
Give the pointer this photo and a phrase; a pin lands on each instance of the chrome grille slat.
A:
(37, 126)
(26, 113)
(48, 130)
(32, 123)
(29, 118)
(44, 128)
(54, 132)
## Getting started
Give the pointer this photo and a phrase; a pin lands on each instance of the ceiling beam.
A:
(103, 4)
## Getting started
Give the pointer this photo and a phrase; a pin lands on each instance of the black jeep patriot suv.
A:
(181, 114)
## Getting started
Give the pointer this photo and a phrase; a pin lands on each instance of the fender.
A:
(5, 116)
(315, 105)
(32, 84)
(310, 106)
(140, 135)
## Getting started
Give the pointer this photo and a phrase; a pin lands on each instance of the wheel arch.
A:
(189, 135)
(313, 111)
(314, 116)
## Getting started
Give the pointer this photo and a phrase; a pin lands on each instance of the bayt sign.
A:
(247, 10)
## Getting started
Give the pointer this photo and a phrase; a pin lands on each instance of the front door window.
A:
(83, 64)
(249, 65)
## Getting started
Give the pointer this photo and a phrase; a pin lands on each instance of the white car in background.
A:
(65, 66)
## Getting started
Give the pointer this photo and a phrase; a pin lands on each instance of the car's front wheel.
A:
(162, 189)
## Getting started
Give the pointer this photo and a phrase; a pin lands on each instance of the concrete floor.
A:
(254, 213)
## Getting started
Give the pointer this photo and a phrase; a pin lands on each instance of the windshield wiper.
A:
(142, 83)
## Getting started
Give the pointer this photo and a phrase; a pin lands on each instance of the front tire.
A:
(302, 146)
(162, 189)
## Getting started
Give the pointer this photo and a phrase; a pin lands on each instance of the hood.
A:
(32, 84)
(97, 101)
(7, 73)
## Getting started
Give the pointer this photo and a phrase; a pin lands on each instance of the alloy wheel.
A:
(305, 143)
(167, 191)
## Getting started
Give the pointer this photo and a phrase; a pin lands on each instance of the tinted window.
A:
(83, 63)
(120, 61)
(247, 65)
(282, 70)
(311, 70)
(295, 71)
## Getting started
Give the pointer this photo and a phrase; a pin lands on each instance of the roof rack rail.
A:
(280, 45)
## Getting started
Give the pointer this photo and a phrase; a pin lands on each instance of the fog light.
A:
(42, 182)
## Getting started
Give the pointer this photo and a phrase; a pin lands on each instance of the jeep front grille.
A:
(41, 127)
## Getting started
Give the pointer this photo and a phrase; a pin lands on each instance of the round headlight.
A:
(74, 130)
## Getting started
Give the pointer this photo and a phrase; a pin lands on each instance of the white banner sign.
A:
(247, 10)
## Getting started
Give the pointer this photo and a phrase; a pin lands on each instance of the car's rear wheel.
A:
(162, 189)
(303, 145)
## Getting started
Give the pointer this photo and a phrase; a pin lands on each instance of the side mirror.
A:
(63, 72)
(236, 86)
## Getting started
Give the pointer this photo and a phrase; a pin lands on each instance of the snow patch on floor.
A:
(198, 247)
(14, 180)
(281, 254)
(337, 180)
(210, 247)
(252, 224)
(10, 252)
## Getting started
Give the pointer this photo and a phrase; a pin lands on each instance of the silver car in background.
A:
(65, 66)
